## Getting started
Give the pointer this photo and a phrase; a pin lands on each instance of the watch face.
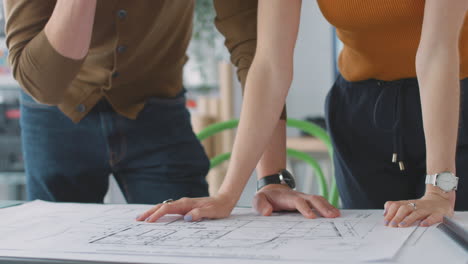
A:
(288, 179)
(446, 181)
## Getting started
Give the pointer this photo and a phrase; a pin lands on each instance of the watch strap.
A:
(271, 179)
(431, 179)
(283, 177)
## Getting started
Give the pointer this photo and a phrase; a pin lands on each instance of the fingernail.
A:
(394, 223)
(147, 219)
(385, 212)
(424, 223)
(386, 222)
(403, 223)
(188, 218)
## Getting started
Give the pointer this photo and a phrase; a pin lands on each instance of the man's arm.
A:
(48, 41)
(237, 21)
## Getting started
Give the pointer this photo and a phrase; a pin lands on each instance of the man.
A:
(102, 93)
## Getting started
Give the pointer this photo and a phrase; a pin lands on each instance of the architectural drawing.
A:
(241, 231)
(100, 231)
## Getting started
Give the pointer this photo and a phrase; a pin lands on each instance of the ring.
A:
(168, 201)
(412, 205)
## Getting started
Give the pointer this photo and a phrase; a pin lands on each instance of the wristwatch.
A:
(282, 177)
(446, 181)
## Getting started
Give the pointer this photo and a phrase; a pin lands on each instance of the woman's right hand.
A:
(193, 209)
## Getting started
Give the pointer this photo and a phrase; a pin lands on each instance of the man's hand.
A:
(193, 209)
(430, 209)
(277, 197)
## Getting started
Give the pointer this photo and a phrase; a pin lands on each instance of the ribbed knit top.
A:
(381, 37)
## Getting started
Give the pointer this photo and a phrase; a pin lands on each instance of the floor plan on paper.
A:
(109, 232)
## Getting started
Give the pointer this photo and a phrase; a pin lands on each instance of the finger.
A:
(403, 211)
(322, 206)
(386, 207)
(303, 207)
(413, 217)
(431, 220)
(262, 205)
(198, 214)
(330, 207)
(177, 207)
(143, 216)
(392, 208)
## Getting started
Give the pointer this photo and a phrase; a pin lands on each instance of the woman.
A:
(404, 43)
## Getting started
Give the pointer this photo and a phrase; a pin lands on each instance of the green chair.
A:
(331, 194)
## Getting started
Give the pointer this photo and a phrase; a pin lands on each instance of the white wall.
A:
(313, 64)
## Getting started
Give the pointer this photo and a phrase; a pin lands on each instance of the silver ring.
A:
(412, 205)
(168, 201)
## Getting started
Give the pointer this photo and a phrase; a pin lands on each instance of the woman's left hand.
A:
(193, 209)
(430, 209)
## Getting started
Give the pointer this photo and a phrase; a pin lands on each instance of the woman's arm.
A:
(236, 20)
(268, 82)
(274, 157)
(438, 72)
(267, 85)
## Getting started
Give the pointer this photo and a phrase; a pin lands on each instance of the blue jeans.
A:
(369, 121)
(153, 158)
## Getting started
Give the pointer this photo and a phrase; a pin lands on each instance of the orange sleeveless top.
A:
(381, 37)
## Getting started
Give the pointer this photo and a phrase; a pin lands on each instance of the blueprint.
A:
(109, 232)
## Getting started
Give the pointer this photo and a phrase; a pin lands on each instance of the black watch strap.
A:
(282, 177)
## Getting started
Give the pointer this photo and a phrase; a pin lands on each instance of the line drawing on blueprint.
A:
(236, 232)
(110, 231)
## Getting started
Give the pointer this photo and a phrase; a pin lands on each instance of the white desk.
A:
(425, 245)
(429, 246)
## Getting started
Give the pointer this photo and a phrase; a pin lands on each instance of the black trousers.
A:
(371, 120)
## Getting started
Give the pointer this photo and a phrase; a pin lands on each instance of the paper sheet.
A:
(109, 232)
(430, 245)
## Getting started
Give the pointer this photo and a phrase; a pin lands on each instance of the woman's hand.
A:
(193, 209)
(276, 197)
(430, 209)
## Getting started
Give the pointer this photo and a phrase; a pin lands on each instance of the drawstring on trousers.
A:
(397, 135)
